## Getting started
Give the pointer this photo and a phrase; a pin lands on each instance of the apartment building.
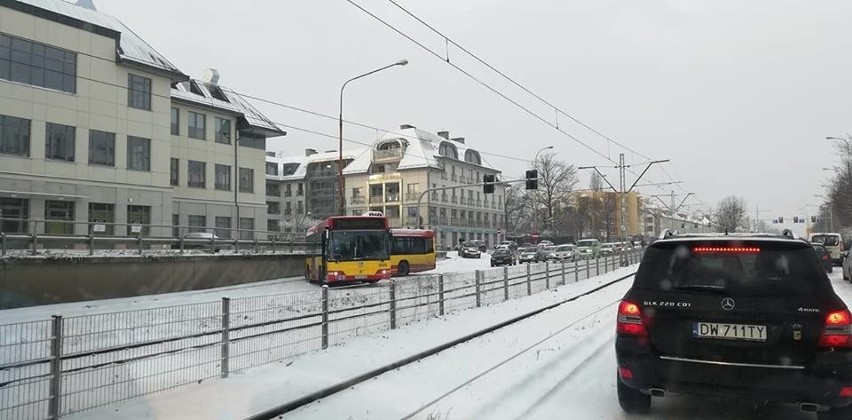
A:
(393, 174)
(603, 210)
(97, 127)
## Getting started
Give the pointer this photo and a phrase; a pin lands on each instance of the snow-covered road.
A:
(560, 364)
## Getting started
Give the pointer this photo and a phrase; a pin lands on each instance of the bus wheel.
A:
(403, 269)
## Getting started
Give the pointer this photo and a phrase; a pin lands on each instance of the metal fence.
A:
(65, 365)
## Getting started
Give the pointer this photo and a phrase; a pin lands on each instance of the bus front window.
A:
(358, 245)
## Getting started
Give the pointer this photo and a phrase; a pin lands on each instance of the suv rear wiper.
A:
(701, 287)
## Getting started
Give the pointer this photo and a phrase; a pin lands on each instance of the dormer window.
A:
(472, 156)
(448, 150)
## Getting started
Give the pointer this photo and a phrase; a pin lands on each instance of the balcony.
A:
(358, 200)
(392, 198)
(288, 193)
(454, 178)
(412, 196)
(455, 200)
(388, 155)
(377, 199)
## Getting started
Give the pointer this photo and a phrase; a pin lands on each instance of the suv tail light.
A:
(837, 331)
(630, 320)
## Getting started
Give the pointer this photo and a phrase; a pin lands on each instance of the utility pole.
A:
(673, 209)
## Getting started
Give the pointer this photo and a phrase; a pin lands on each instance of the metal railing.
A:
(142, 238)
(64, 365)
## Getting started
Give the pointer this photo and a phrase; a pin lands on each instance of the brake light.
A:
(626, 373)
(837, 331)
(825, 257)
(846, 392)
(725, 250)
(630, 320)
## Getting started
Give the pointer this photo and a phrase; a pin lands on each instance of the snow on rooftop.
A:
(207, 94)
(131, 46)
(303, 161)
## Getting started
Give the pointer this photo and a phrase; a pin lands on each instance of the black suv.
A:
(750, 316)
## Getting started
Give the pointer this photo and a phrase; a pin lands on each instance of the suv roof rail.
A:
(667, 233)
(787, 233)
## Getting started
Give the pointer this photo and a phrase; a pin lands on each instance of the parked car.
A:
(469, 250)
(588, 248)
(200, 240)
(735, 316)
(609, 249)
(527, 255)
(503, 256)
(824, 257)
(565, 252)
(833, 243)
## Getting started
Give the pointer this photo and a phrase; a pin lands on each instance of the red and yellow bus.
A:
(412, 251)
(348, 249)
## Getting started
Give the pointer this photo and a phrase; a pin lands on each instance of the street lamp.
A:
(341, 195)
(535, 162)
(840, 139)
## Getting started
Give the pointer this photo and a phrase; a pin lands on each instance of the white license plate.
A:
(726, 331)
(360, 277)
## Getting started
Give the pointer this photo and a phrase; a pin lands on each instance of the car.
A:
(545, 243)
(824, 257)
(609, 249)
(503, 256)
(479, 245)
(542, 254)
(565, 252)
(750, 316)
(527, 255)
(469, 250)
(847, 266)
(833, 242)
(200, 240)
(510, 244)
(588, 248)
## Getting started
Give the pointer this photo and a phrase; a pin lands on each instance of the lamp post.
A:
(535, 208)
(341, 195)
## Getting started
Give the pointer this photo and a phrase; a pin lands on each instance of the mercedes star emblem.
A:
(728, 304)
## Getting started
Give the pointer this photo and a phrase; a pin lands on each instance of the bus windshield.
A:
(353, 245)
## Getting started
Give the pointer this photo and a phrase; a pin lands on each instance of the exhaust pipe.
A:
(808, 407)
(657, 392)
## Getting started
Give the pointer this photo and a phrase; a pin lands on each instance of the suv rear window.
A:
(827, 240)
(760, 269)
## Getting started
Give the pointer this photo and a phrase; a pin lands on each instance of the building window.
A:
(197, 174)
(14, 136)
(174, 172)
(138, 92)
(59, 142)
(272, 225)
(138, 153)
(37, 64)
(223, 130)
(273, 207)
(197, 125)
(197, 223)
(101, 218)
(176, 121)
(288, 208)
(246, 228)
(273, 189)
(15, 213)
(223, 227)
(272, 168)
(300, 190)
(101, 148)
(59, 217)
(176, 225)
(246, 180)
(138, 219)
(300, 207)
(223, 177)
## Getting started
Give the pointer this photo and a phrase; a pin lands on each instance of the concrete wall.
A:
(31, 282)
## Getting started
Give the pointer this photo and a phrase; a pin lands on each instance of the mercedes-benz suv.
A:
(751, 316)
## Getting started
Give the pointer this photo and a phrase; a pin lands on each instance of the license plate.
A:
(726, 331)
(360, 277)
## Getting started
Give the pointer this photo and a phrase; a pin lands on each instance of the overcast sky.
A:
(739, 95)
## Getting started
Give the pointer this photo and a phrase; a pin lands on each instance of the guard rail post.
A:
(529, 280)
(226, 336)
(505, 283)
(598, 265)
(547, 275)
(139, 242)
(392, 291)
(34, 242)
(441, 294)
(54, 408)
(588, 270)
(291, 246)
(324, 322)
(576, 271)
(181, 241)
(3, 244)
(256, 247)
(563, 271)
(91, 244)
(478, 280)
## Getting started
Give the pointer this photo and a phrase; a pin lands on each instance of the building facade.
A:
(394, 173)
(604, 214)
(87, 116)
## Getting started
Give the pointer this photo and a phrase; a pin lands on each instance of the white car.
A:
(566, 252)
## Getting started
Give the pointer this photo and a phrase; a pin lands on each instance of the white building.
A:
(97, 126)
(391, 175)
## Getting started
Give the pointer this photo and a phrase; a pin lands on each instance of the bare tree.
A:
(596, 182)
(731, 214)
(297, 225)
(556, 179)
(518, 206)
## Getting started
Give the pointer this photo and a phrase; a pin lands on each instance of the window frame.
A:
(221, 186)
(135, 142)
(189, 178)
(54, 68)
(219, 136)
(192, 130)
(139, 92)
(69, 143)
(246, 187)
(23, 130)
(175, 121)
(109, 145)
(174, 172)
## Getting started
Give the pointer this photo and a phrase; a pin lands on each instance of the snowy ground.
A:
(259, 389)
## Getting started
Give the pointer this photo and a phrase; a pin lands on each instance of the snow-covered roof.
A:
(198, 92)
(421, 151)
(303, 161)
(130, 48)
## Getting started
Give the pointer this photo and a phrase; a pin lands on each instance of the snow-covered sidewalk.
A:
(253, 391)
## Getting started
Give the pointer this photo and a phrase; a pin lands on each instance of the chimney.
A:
(406, 126)
(459, 140)
(309, 152)
(211, 77)
(444, 134)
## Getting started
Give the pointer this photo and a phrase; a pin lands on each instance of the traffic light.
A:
(488, 183)
(795, 219)
(781, 219)
(813, 219)
(532, 179)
